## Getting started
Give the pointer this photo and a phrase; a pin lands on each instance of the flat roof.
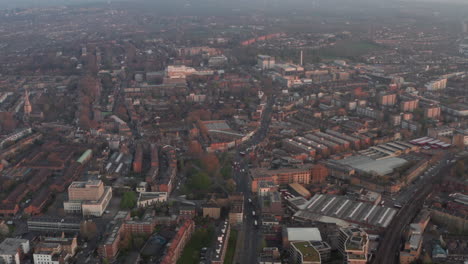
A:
(216, 125)
(303, 234)
(369, 165)
(9, 246)
(309, 253)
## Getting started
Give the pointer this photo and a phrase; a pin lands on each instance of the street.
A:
(251, 234)
(390, 244)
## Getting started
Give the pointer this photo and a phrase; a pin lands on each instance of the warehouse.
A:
(342, 211)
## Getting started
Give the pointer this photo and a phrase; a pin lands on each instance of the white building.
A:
(149, 198)
(12, 249)
(44, 258)
(142, 187)
(179, 71)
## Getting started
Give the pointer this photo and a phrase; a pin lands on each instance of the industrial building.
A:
(343, 211)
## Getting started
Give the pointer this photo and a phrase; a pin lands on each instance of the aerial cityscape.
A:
(234, 132)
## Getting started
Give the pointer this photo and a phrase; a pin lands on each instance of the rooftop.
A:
(308, 252)
(85, 184)
(325, 208)
(10, 246)
(369, 165)
(303, 234)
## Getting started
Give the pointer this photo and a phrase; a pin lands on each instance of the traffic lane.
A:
(391, 241)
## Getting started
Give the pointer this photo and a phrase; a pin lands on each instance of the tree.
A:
(194, 148)
(226, 171)
(230, 185)
(128, 201)
(200, 181)
(210, 163)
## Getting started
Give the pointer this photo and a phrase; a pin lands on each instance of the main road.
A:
(390, 244)
(250, 234)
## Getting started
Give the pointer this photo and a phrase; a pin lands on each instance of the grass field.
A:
(231, 249)
(202, 237)
(349, 49)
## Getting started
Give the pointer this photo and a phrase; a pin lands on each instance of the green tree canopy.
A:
(128, 201)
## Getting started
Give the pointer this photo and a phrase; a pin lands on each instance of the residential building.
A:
(52, 250)
(460, 138)
(12, 250)
(432, 112)
(300, 174)
(177, 244)
(221, 243)
(236, 212)
(387, 99)
(440, 131)
(437, 85)
(409, 104)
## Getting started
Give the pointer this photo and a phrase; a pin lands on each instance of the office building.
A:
(354, 245)
(90, 198)
(265, 62)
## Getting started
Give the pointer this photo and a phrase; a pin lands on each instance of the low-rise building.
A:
(221, 243)
(54, 224)
(300, 174)
(150, 198)
(354, 245)
(51, 250)
(177, 244)
(304, 253)
(12, 250)
(236, 212)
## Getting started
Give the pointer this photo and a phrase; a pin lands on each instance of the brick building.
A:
(177, 244)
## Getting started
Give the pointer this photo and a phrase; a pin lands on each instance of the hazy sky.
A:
(36, 3)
